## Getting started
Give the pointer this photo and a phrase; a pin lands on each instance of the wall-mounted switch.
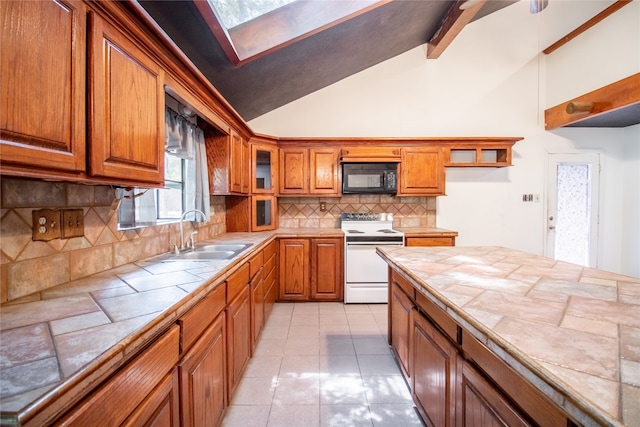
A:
(72, 223)
(46, 224)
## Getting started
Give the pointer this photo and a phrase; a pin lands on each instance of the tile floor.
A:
(323, 364)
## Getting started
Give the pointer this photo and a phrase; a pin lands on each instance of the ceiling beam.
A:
(618, 4)
(459, 15)
(605, 100)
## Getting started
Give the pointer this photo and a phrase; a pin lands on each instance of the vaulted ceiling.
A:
(324, 57)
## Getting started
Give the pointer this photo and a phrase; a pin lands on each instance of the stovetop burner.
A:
(387, 230)
(355, 231)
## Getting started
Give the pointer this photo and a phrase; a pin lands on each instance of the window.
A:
(141, 207)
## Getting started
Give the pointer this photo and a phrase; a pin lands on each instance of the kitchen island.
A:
(570, 333)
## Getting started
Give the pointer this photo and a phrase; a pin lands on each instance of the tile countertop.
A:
(573, 331)
(58, 345)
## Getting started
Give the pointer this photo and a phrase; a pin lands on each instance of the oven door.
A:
(364, 265)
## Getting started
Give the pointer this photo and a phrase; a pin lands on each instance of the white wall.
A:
(489, 82)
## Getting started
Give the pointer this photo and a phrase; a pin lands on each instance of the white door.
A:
(572, 208)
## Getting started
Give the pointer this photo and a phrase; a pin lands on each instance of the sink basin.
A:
(215, 247)
(209, 252)
(204, 256)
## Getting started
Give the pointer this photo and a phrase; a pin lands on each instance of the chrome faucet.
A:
(182, 246)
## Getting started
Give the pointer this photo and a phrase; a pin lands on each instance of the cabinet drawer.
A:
(270, 250)
(404, 284)
(269, 264)
(430, 241)
(438, 316)
(370, 154)
(270, 279)
(255, 263)
(522, 392)
(237, 282)
(114, 401)
(196, 320)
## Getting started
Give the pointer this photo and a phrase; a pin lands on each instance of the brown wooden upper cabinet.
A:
(264, 164)
(421, 172)
(45, 109)
(306, 171)
(240, 164)
(229, 162)
(126, 115)
(42, 109)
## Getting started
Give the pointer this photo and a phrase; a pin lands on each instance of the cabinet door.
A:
(294, 269)
(161, 408)
(326, 269)
(257, 307)
(126, 127)
(433, 373)
(117, 399)
(264, 214)
(482, 405)
(240, 164)
(323, 171)
(422, 171)
(400, 308)
(202, 378)
(294, 168)
(238, 338)
(264, 164)
(42, 89)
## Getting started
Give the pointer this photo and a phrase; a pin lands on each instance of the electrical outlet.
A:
(46, 224)
(72, 223)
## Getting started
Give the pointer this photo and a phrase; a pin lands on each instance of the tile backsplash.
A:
(28, 267)
(301, 212)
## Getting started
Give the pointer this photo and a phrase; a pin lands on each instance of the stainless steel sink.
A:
(209, 252)
(215, 247)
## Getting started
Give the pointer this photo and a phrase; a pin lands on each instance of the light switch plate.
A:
(72, 223)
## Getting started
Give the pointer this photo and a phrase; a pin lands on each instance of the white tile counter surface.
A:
(55, 345)
(573, 331)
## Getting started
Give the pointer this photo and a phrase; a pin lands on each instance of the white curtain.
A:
(185, 140)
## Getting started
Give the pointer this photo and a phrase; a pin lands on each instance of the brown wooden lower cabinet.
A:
(455, 380)
(129, 393)
(202, 374)
(238, 314)
(257, 307)
(326, 269)
(482, 405)
(161, 408)
(294, 269)
(399, 311)
(433, 373)
(311, 269)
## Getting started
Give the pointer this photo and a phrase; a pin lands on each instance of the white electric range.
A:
(365, 272)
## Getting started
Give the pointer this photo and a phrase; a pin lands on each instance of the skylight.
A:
(235, 12)
(249, 29)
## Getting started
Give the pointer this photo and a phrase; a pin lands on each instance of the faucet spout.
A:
(182, 246)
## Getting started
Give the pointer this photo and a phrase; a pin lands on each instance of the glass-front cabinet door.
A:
(264, 213)
(264, 160)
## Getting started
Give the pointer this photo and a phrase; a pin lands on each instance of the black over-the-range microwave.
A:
(369, 178)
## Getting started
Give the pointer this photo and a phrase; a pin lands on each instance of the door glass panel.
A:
(263, 169)
(263, 212)
(573, 213)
